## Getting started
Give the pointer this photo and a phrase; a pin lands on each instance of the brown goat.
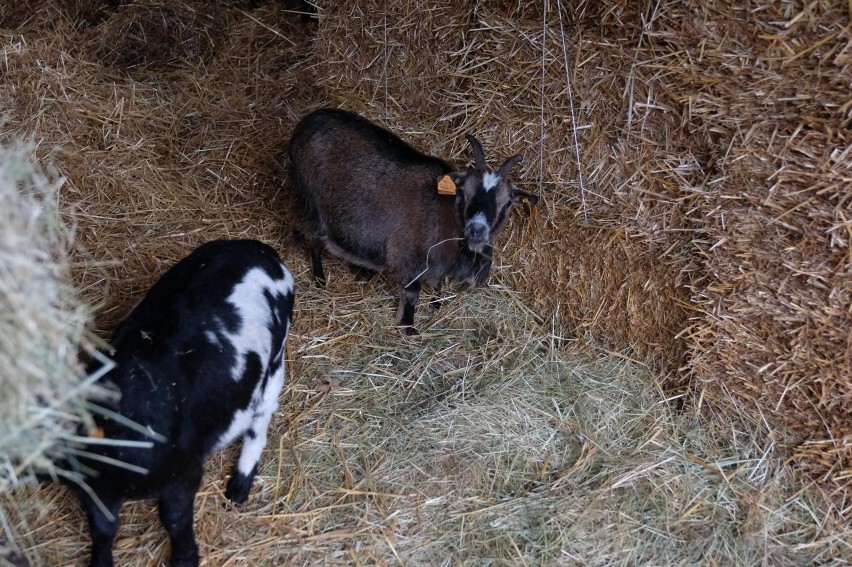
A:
(372, 200)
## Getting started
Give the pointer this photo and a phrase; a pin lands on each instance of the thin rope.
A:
(426, 269)
(385, 49)
(541, 137)
(573, 116)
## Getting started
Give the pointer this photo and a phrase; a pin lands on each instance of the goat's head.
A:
(484, 198)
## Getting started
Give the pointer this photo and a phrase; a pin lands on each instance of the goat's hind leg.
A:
(408, 298)
(175, 506)
(315, 252)
(102, 528)
(245, 469)
(362, 274)
(313, 248)
(254, 439)
(436, 301)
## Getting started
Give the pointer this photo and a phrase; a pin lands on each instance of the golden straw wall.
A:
(710, 233)
(712, 228)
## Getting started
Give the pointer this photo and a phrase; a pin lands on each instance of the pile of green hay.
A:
(42, 322)
(43, 389)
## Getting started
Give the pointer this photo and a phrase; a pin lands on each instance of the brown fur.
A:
(371, 200)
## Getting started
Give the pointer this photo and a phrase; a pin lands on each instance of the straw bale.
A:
(391, 60)
(767, 88)
(162, 161)
(42, 324)
(699, 136)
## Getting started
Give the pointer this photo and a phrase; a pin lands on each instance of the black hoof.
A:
(238, 488)
(189, 560)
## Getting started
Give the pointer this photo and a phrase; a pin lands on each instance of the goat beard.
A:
(473, 268)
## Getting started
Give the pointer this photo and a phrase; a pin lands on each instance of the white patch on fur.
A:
(240, 423)
(249, 301)
(262, 407)
(490, 181)
(248, 298)
(256, 417)
(213, 338)
(479, 219)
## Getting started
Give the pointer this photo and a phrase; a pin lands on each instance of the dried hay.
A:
(167, 34)
(42, 327)
(777, 289)
(480, 441)
(47, 14)
(694, 168)
(601, 266)
(645, 131)
(42, 324)
(164, 162)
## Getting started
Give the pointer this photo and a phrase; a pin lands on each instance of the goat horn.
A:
(478, 154)
(507, 165)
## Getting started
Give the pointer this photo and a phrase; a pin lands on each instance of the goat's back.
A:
(362, 186)
(193, 351)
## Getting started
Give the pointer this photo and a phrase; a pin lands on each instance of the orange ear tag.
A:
(446, 186)
(532, 208)
(95, 432)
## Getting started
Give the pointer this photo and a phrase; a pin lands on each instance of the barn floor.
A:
(495, 437)
(487, 439)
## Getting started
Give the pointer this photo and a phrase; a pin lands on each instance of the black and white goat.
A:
(372, 200)
(199, 363)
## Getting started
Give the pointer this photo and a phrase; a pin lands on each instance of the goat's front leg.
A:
(408, 298)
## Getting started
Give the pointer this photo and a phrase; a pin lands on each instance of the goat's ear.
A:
(527, 200)
(451, 183)
(459, 177)
(519, 196)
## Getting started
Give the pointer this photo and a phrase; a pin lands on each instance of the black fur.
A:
(176, 380)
